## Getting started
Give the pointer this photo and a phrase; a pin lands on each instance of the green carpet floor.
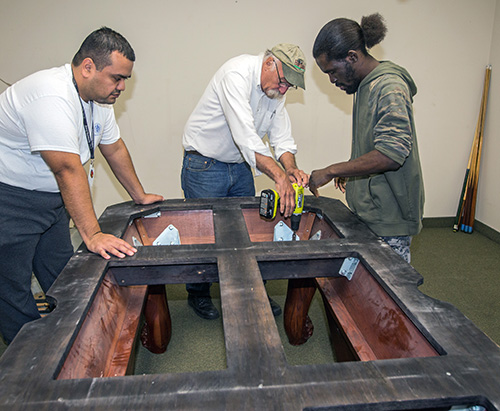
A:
(198, 345)
(462, 269)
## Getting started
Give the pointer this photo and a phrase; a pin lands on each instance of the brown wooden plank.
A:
(123, 358)
(344, 320)
(375, 325)
(261, 230)
(194, 226)
(105, 342)
(306, 225)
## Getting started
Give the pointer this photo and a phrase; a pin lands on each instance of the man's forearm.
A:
(287, 160)
(369, 163)
(73, 185)
(269, 167)
(295, 175)
(75, 192)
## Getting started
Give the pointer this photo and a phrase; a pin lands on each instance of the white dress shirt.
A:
(43, 112)
(234, 114)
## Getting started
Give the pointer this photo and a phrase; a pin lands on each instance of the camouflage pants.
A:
(400, 245)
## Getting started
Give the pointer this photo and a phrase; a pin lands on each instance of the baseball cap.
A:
(293, 62)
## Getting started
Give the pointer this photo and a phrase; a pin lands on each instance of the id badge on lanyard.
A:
(91, 173)
(90, 141)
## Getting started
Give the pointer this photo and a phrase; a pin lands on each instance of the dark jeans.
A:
(34, 238)
(204, 177)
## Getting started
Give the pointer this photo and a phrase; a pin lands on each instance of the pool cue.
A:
(472, 214)
(469, 206)
(461, 203)
(466, 209)
(472, 172)
(462, 206)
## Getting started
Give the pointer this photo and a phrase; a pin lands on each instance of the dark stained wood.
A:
(257, 376)
(282, 267)
(166, 274)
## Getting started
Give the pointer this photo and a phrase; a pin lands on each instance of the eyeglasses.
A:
(281, 80)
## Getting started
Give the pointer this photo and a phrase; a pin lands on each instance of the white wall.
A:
(487, 210)
(445, 44)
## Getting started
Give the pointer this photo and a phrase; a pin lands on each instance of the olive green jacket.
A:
(390, 203)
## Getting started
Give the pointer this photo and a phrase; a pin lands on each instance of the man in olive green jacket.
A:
(384, 179)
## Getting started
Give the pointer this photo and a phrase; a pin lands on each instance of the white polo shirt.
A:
(43, 112)
(234, 114)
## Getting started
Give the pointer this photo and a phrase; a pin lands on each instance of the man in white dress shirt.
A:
(244, 102)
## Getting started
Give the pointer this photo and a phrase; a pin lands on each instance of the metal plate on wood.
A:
(283, 233)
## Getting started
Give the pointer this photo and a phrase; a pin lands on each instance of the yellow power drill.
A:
(269, 201)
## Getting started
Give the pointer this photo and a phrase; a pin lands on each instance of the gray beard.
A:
(274, 94)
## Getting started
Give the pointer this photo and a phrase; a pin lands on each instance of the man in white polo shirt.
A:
(50, 125)
(244, 101)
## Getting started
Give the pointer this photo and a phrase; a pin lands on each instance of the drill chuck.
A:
(295, 221)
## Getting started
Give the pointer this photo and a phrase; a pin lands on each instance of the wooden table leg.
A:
(157, 329)
(298, 326)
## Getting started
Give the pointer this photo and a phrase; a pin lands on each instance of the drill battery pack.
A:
(269, 200)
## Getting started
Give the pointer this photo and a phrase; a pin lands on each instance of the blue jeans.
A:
(34, 237)
(204, 177)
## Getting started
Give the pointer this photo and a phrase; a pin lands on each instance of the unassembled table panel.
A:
(257, 376)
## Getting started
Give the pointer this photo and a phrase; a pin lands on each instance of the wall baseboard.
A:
(443, 222)
(438, 222)
(487, 231)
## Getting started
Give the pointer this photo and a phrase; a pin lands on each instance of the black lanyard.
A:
(90, 137)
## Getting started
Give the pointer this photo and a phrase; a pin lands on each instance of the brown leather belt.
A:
(194, 153)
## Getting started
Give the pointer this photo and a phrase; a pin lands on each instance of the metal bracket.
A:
(316, 236)
(136, 242)
(154, 215)
(169, 236)
(348, 267)
(283, 233)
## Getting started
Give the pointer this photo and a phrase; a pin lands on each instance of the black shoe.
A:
(275, 307)
(203, 307)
